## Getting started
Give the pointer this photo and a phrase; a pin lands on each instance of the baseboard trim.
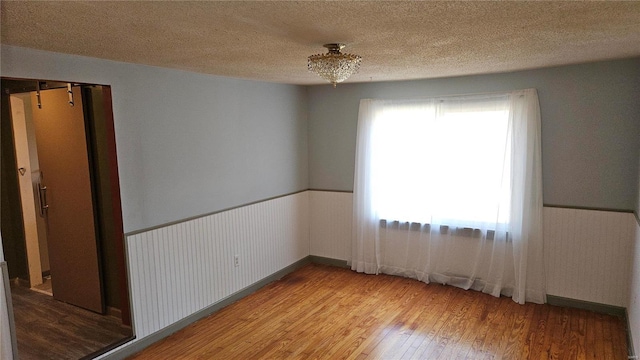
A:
(586, 305)
(599, 308)
(114, 311)
(551, 300)
(135, 347)
(141, 344)
(117, 343)
(21, 282)
(630, 350)
(328, 261)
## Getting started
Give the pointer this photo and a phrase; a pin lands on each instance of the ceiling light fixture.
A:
(334, 66)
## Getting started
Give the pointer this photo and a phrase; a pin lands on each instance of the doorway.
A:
(61, 214)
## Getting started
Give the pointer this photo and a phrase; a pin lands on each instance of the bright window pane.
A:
(451, 166)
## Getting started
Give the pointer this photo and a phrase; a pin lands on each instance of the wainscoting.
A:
(587, 253)
(330, 224)
(633, 304)
(177, 270)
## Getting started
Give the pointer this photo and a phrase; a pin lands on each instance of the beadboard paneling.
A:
(633, 303)
(180, 269)
(330, 224)
(588, 254)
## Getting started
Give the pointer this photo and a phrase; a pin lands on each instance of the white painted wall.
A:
(6, 349)
(6, 346)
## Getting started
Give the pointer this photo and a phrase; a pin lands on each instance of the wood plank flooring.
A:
(46, 287)
(50, 329)
(322, 312)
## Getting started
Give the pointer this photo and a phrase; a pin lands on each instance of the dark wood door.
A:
(71, 230)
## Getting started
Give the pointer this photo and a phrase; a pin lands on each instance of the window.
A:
(438, 161)
(458, 162)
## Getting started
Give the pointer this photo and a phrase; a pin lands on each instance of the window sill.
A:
(443, 229)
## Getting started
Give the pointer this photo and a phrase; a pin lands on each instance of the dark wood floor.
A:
(321, 312)
(49, 329)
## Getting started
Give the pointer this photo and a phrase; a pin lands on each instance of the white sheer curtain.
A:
(450, 190)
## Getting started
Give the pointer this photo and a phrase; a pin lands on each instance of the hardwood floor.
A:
(50, 329)
(46, 286)
(322, 312)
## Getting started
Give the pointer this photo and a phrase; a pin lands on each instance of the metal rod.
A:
(44, 206)
(42, 196)
(70, 92)
(38, 94)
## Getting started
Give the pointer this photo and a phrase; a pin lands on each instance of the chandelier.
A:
(334, 66)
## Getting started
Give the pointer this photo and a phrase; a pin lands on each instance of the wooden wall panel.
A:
(588, 253)
(180, 269)
(633, 303)
(330, 224)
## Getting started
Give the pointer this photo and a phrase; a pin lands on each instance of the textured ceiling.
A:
(270, 41)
